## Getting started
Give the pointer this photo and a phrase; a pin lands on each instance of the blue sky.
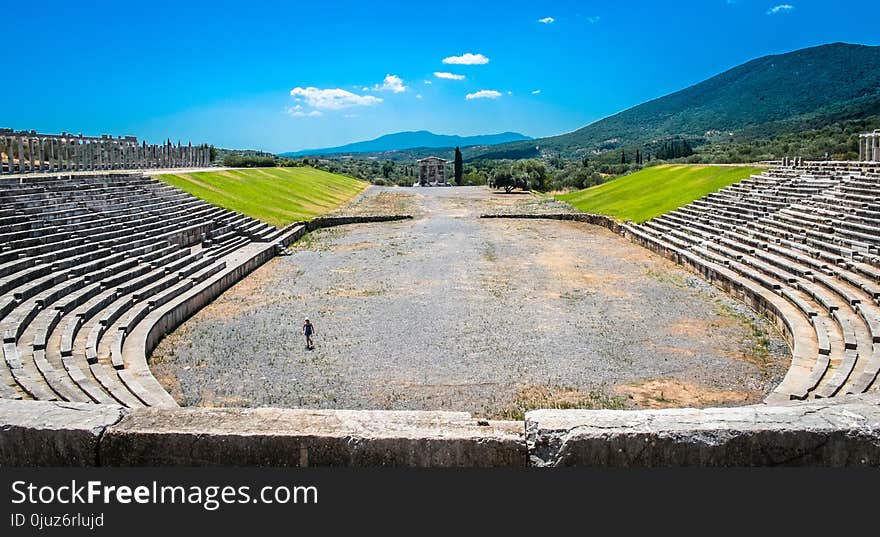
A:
(223, 72)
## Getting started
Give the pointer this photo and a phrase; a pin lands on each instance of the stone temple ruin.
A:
(95, 269)
(432, 172)
(869, 146)
(29, 151)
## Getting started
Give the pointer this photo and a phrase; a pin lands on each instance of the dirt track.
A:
(448, 311)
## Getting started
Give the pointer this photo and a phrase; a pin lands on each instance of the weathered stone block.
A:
(43, 433)
(803, 434)
(291, 437)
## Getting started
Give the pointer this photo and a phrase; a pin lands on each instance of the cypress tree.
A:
(458, 166)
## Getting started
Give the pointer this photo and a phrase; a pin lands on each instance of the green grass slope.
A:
(656, 190)
(277, 196)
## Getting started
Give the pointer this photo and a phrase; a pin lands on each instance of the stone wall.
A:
(42, 433)
(836, 433)
(330, 221)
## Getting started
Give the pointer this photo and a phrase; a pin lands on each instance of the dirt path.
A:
(447, 311)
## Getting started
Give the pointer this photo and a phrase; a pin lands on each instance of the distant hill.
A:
(768, 96)
(400, 141)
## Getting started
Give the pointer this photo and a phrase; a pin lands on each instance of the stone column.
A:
(64, 154)
(7, 148)
(33, 153)
(39, 143)
(11, 148)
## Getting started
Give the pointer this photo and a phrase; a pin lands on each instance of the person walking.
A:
(308, 329)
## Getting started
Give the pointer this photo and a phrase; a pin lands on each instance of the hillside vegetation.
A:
(277, 196)
(656, 190)
(763, 98)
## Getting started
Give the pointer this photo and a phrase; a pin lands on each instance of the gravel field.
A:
(447, 311)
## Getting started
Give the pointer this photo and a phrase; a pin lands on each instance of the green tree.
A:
(503, 177)
(531, 174)
(459, 167)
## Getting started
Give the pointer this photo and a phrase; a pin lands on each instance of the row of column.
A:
(24, 154)
(869, 146)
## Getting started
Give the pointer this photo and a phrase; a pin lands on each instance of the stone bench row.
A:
(110, 310)
(805, 272)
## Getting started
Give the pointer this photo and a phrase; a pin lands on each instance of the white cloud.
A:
(297, 111)
(546, 20)
(350, 116)
(781, 8)
(594, 19)
(419, 96)
(536, 92)
(392, 83)
(483, 94)
(448, 76)
(509, 92)
(467, 59)
(332, 98)
(428, 82)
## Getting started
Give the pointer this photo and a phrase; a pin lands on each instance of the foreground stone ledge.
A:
(803, 434)
(291, 437)
(44, 433)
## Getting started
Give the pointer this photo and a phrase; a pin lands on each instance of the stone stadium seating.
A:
(95, 269)
(801, 244)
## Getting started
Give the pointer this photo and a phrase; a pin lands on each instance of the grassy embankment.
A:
(656, 190)
(277, 196)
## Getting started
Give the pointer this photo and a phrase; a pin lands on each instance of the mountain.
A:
(410, 140)
(805, 89)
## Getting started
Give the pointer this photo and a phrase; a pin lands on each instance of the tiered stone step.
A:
(84, 261)
(792, 232)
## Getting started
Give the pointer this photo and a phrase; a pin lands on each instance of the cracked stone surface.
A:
(288, 437)
(833, 433)
(44, 433)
